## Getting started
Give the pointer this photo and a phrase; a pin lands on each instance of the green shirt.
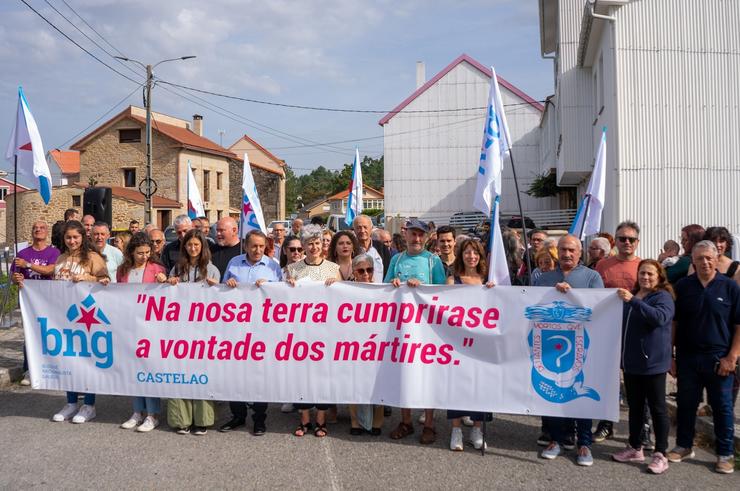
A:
(425, 267)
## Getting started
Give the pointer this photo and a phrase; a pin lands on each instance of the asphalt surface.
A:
(37, 453)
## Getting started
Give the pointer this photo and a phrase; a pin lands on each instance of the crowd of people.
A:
(680, 317)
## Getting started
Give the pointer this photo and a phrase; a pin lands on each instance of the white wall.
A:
(431, 159)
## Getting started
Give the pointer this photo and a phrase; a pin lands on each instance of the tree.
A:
(322, 182)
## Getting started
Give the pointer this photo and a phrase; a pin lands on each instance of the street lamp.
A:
(149, 80)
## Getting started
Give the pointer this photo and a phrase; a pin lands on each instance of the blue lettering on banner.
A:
(558, 343)
(172, 378)
(79, 342)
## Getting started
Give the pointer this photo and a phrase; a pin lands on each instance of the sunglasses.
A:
(631, 240)
(364, 270)
(295, 249)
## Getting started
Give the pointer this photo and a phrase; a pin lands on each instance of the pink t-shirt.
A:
(617, 273)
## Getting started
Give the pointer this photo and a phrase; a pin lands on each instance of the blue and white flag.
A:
(25, 144)
(494, 149)
(354, 198)
(588, 216)
(195, 203)
(251, 215)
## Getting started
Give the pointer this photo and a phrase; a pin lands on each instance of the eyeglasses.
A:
(631, 240)
(158, 241)
(364, 270)
(295, 249)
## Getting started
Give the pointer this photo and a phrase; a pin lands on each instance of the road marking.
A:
(332, 466)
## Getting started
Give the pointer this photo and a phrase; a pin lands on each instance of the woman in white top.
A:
(313, 267)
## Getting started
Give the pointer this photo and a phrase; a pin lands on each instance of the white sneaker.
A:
(65, 413)
(476, 438)
(26, 380)
(467, 421)
(132, 422)
(148, 425)
(287, 408)
(456, 440)
(423, 417)
(85, 414)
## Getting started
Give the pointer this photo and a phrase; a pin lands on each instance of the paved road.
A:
(39, 454)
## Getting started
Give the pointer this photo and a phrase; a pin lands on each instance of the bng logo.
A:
(85, 338)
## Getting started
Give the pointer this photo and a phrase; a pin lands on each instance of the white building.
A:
(432, 145)
(662, 76)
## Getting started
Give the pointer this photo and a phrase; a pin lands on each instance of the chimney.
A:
(198, 124)
(420, 74)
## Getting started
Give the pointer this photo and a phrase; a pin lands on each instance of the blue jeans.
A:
(560, 428)
(72, 398)
(697, 372)
(152, 405)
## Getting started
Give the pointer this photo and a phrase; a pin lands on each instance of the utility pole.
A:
(148, 103)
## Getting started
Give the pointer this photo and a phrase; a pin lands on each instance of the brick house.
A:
(6, 189)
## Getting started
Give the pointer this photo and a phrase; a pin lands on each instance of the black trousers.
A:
(650, 387)
(239, 410)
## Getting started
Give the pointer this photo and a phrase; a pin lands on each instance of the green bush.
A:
(12, 302)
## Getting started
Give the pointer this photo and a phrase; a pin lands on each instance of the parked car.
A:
(335, 223)
(272, 224)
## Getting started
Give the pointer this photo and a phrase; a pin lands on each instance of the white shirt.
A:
(378, 266)
(113, 259)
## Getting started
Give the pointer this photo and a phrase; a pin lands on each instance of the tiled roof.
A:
(475, 64)
(67, 160)
(345, 193)
(187, 138)
(134, 195)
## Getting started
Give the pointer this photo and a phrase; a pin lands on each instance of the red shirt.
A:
(617, 273)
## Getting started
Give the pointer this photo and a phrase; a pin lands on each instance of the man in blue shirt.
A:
(569, 274)
(707, 340)
(414, 267)
(256, 268)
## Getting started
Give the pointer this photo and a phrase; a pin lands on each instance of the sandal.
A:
(402, 431)
(302, 430)
(356, 431)
(320, 431)
(428, 436)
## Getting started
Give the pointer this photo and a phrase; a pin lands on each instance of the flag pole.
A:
(585, 216)
(521, 214)
(15, 205)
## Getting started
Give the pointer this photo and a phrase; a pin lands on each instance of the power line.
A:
(93, 29)
(78, 44)
(332, 109)
(101, 117)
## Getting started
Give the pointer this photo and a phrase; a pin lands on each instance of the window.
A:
(3, 193)
(76, 201)
(129, 178)
(206, 185)
(129, 136)
(219, 181)
(219, 214)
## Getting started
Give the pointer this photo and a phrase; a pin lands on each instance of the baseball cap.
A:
(417, 224)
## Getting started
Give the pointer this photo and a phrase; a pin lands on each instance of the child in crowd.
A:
(670, 253)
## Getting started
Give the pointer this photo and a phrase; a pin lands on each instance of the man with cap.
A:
(413, 267)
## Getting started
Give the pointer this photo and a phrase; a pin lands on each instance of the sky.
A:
(346, 54)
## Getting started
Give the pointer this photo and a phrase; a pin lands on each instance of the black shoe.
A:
(259, 429)
(356, 431)
(602, 433)
(544, 439)
(375, 432)
(645, 440)
(200, 430)
(387, 411)
(569, 443)
(231, 425)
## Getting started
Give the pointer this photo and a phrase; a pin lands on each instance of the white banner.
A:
(507, 349)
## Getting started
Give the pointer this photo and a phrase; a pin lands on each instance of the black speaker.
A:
(98, 202)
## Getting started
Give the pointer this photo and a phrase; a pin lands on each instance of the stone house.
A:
(64, 166)
(269, 176)
(114, 154)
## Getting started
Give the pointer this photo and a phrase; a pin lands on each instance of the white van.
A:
(335, 223)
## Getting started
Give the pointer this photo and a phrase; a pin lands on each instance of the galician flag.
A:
(494, 149)
(354, 198)
(25, 144)
(588, 216)
(195, 203)
(251, 215)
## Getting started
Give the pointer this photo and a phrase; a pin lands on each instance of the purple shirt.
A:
(44, 257)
